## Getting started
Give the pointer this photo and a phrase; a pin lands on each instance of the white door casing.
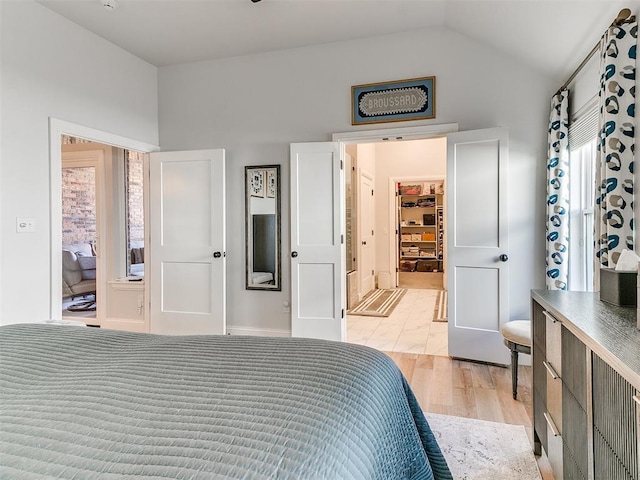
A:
(318, 276)
(477, 239)
(58, 128)
(366, 240)
(187, 223)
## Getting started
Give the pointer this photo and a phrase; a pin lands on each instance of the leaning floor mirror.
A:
(262, 227)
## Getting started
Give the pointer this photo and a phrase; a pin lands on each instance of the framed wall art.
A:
(271, 183)
(256, 183)
(396, 101)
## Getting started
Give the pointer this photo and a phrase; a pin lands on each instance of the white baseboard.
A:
(262, 332)
(126, 324)
(384, 280)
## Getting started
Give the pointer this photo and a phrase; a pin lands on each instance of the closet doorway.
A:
(405, 311)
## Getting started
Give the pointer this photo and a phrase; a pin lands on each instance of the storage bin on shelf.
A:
(408, 265)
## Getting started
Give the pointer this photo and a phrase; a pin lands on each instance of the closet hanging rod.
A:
(623, 16)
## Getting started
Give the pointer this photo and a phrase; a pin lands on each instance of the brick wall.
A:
(79, 201)
(135, 206)
(78, 205)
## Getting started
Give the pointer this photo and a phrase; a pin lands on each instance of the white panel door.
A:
(366, 221)
(187, 264)
(318, 273)
(477, 244)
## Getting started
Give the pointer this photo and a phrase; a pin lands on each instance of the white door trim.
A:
(393, 134)
(57, 128)
(393, 220)
(401, 133)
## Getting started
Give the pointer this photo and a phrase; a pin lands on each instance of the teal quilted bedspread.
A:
(84, 403)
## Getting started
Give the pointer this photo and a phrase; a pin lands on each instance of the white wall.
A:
(366, 158)
(254, 106)
(50, 67)
(423, 159)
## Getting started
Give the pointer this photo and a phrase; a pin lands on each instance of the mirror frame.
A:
(248, 226)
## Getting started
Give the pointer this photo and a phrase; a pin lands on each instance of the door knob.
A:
(294, 254)
(503, 257)
(364, 243)
(217, 254)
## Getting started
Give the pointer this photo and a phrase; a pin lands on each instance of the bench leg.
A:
(514, 372)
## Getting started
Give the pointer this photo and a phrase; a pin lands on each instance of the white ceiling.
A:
(551, 35)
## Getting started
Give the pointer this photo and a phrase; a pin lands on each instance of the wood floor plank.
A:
(481, 376)
(407, 365)
(488, 405)
(464, 403)
(513, 411)
(421, 379)
(441, 391)
(461, 375)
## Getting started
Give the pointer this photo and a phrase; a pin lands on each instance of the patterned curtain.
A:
(558, 193)
(614, 162)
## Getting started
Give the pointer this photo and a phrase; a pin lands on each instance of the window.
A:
(134, 205)
(581, 211)
(583, 131)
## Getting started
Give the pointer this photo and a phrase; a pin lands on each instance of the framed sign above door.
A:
(396, 101)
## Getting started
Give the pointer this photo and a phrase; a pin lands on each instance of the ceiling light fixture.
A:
(110, 5)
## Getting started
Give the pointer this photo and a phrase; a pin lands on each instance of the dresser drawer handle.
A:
(551, 370)
(636, 399)
(552, 426)
(551, 317)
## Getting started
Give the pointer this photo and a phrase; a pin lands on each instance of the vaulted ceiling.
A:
(551, 35)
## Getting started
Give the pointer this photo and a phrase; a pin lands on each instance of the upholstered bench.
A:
(517, 337)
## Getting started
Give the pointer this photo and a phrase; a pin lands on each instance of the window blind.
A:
(583, 126)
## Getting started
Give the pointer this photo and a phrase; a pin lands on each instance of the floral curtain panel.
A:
(614, 167)
(558, 194)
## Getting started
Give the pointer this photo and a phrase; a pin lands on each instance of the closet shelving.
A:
(421, 228)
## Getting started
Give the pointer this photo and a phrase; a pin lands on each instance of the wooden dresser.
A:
(586, 383)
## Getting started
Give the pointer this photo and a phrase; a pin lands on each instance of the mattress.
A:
(86, 403)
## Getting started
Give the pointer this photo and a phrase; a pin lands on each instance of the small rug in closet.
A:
(379, 303)
(480, 450)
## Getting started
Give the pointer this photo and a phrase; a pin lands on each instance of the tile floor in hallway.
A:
(409, 329)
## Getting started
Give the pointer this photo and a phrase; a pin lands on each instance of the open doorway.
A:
(124, 306)
(102, 233)
(406, 309)
(82, 190)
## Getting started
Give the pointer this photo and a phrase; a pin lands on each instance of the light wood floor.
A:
(473, 390)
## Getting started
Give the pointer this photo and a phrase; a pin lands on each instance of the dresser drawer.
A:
(555, 448)
(554, 396)
(553, 342)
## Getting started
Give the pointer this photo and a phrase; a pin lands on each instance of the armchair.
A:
(78, 270)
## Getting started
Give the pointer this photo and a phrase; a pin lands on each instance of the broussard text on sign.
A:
(396, 101)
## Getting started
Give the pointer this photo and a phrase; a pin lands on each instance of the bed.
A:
(86, 403)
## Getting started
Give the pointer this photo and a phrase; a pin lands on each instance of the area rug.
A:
(440, 312)
(476, 449)
(379, 303)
